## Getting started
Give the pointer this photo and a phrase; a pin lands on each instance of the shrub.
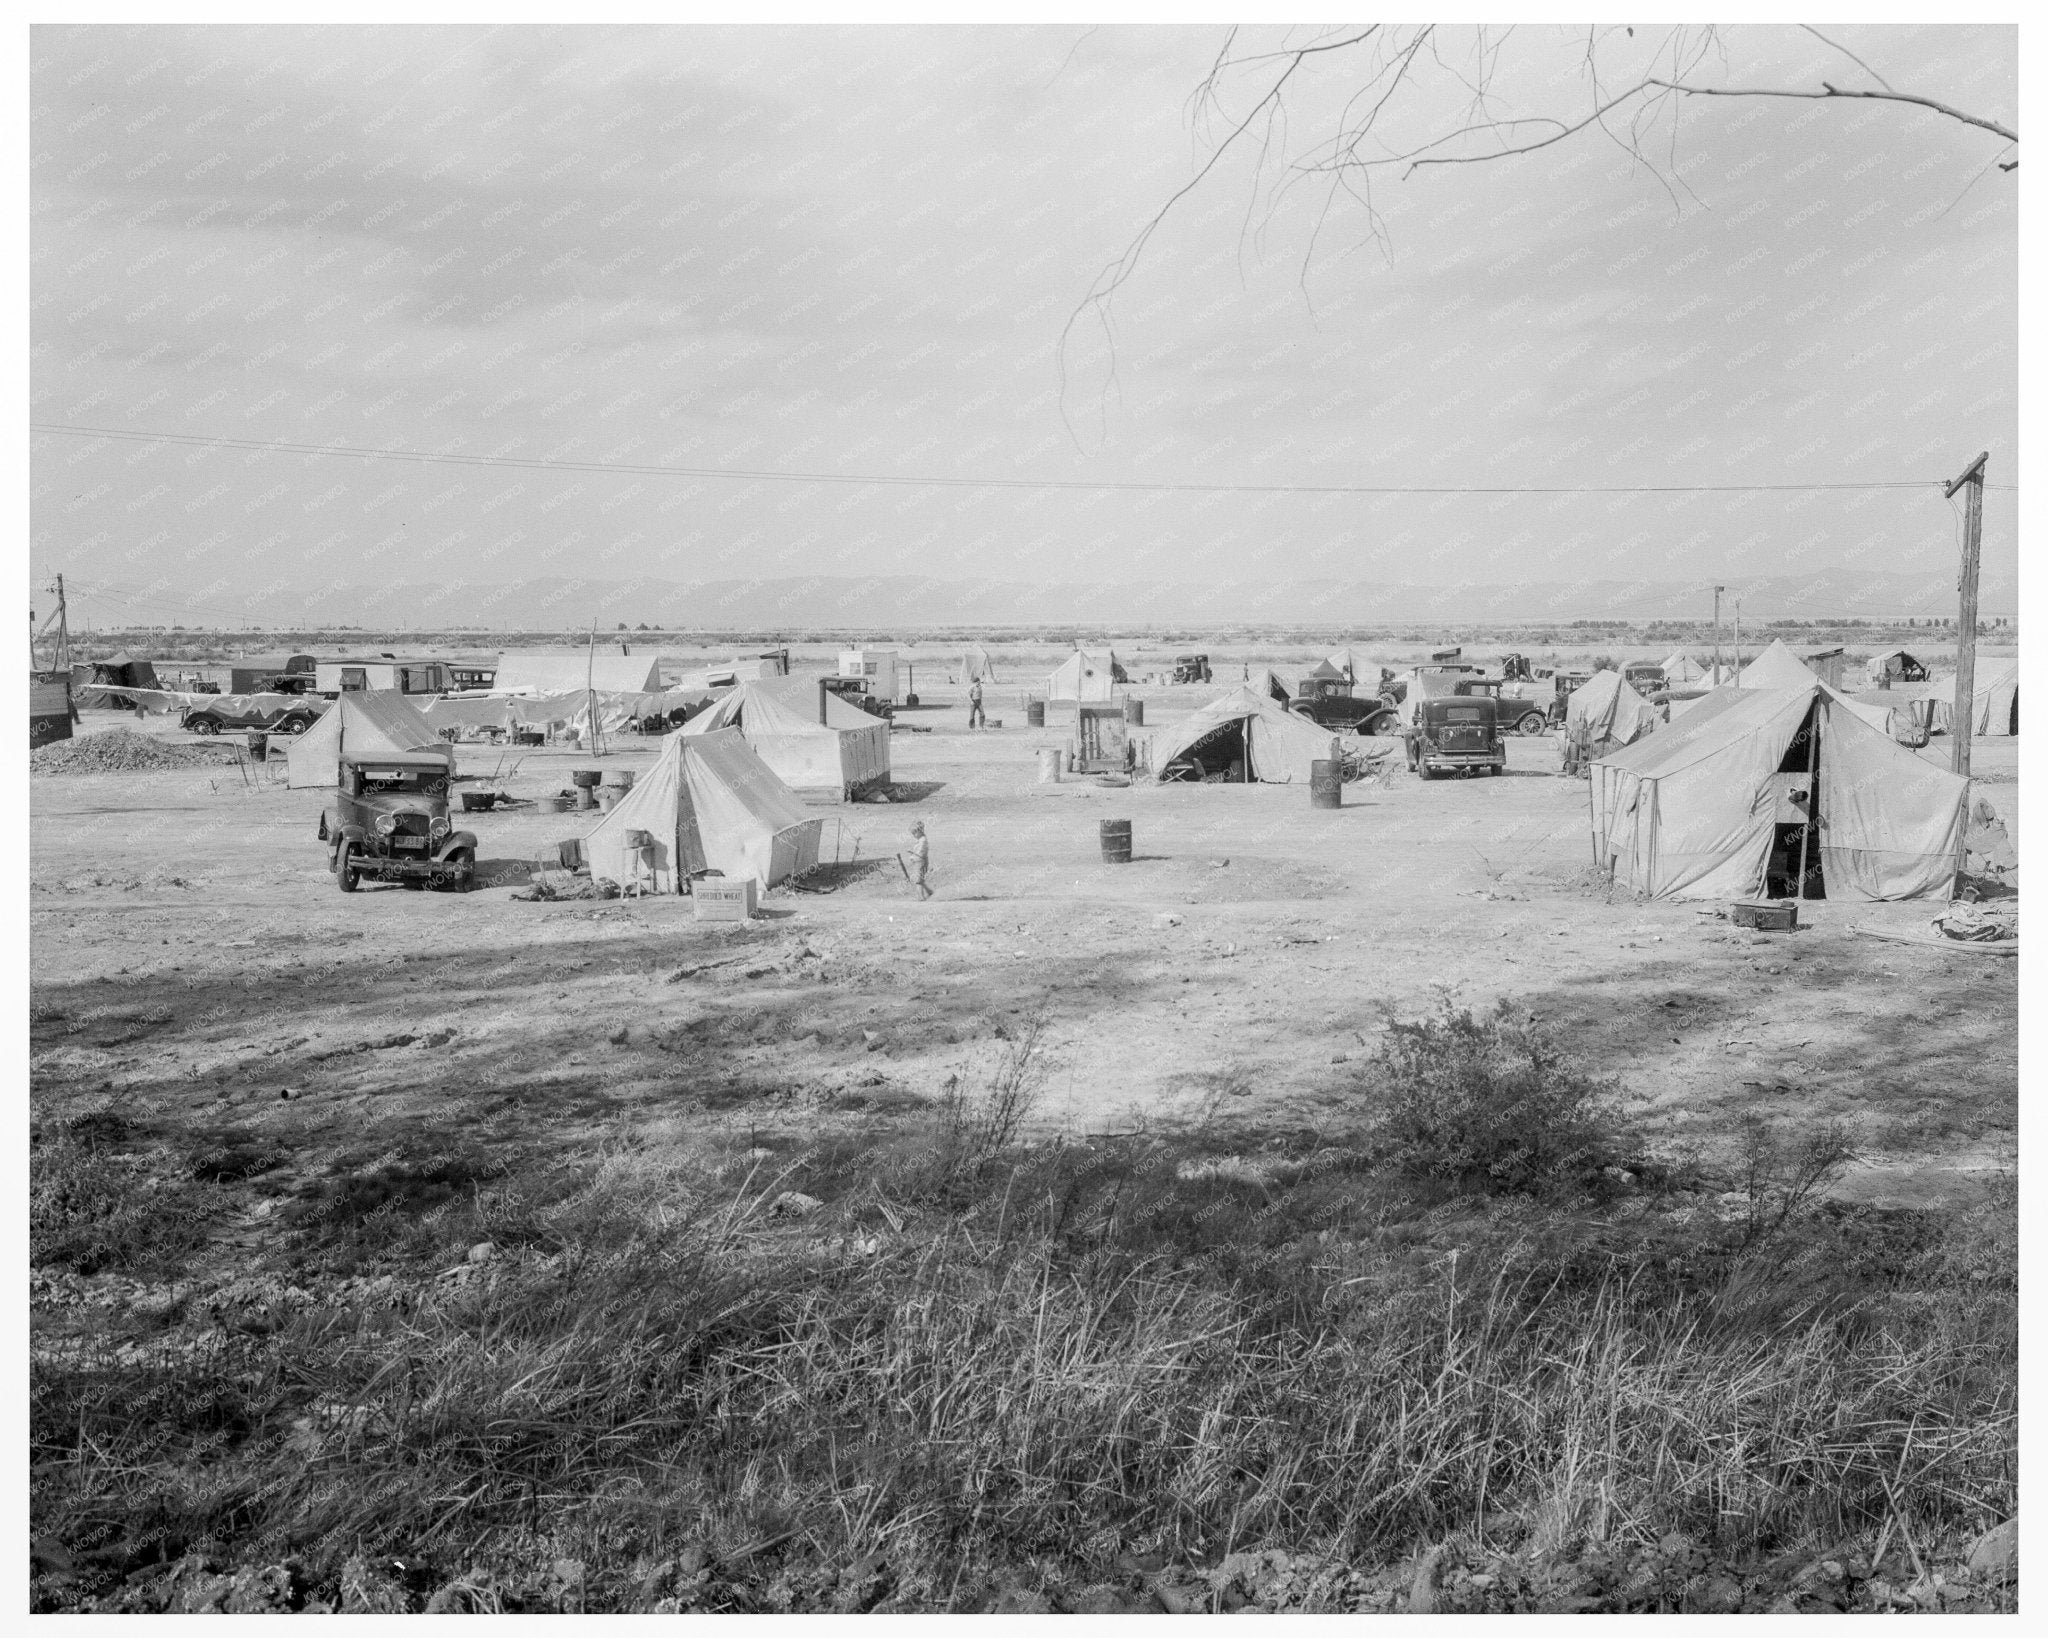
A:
(1488, 1105)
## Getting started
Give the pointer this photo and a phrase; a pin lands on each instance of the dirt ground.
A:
(193, 962)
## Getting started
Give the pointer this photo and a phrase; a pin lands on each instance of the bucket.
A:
(586, 798)
(1034, 713)
(608, 797)
(1116, 841)
(587, 779)
(552, 804)
(1049, 760)
(623, 778)
(1325, 784)
(1134, 712)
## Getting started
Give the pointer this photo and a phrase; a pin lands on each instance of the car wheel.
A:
(345, 874)
(202, 725)
(1533, 724)
(291, 725)
(465, 870)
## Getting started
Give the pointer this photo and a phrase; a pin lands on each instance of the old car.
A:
(390, 822)
(1191, 668)
(1329, 703)
(282, 719)
(1460, 734)
(1520, 705)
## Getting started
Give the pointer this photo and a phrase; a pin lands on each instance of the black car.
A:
(290, 719)
(390, 822)
(1329, 703)
(1456, 735)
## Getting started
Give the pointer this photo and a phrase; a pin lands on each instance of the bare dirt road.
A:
(193, 961)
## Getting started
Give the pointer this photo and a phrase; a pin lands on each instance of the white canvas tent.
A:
(1893, 665)
(976, 666)
(1995, 701)
(779, 720)
(562, 673)
(1776, 667)
(1682, 671)
(1347, 661)
(1692, 811)
(1246, 728)
(379, 722)
(1608, 712)
(1267, 684)
(708, 803)
(1084, 676)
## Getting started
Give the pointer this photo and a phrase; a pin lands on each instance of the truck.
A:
(1459, 734)
(381, 671)
(1191, 668)
(389, 822)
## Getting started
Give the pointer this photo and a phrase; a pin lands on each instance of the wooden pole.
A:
(1812, 790)
(1717, 635)
(590, 687)
(1965, 723)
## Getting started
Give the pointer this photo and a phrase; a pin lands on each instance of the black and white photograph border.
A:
(1442, 1032)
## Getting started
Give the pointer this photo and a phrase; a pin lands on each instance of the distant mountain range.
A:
(896, 602)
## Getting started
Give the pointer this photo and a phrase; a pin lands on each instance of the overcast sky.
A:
(856, 250)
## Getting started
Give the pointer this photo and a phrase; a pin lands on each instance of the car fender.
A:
(455, 839)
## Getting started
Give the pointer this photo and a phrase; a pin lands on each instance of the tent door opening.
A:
(1794, 869)
(1216, 758)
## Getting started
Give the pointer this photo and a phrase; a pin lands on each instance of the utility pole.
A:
(1718, 590)
(1738, 636)
(63, 630)
(1965, 722)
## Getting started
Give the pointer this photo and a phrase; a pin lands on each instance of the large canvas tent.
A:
(975, 665)
(832, 758)
(1085, 676)
(1776, 667)
(708, 804)
(1245, 730)
(1347, 661)
(380, 722)
(1994, 699)
(1267, 684)
(541, 673)
(1682, 671)
(1608, 712)
(1697, 810)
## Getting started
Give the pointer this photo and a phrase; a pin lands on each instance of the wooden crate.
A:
(720, 898)
(1767, 917)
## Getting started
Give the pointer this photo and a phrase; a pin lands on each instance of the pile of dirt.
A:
(122, 750)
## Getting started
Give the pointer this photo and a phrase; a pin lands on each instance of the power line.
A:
(751, 475)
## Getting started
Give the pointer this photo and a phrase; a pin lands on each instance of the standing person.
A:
(976, 718)
(919, 860)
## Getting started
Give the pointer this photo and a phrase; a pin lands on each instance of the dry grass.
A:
(977, 1365)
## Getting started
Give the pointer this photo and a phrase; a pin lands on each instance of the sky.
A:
(868, 251)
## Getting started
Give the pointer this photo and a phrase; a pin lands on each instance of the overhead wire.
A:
(933, 481)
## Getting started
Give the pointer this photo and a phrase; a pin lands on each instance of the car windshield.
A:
(396, 779)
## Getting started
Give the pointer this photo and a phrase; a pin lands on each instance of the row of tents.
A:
(815, 743)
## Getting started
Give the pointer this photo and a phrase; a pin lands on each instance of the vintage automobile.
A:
(390, 822)
(1456, 735)
(1191, 668)
(1329, 703)
(1520, 705)
(283, 719)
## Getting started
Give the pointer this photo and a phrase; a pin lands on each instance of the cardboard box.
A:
(725, 898)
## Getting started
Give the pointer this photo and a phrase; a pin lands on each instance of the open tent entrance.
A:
(1795, 843)
(1217, 758)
